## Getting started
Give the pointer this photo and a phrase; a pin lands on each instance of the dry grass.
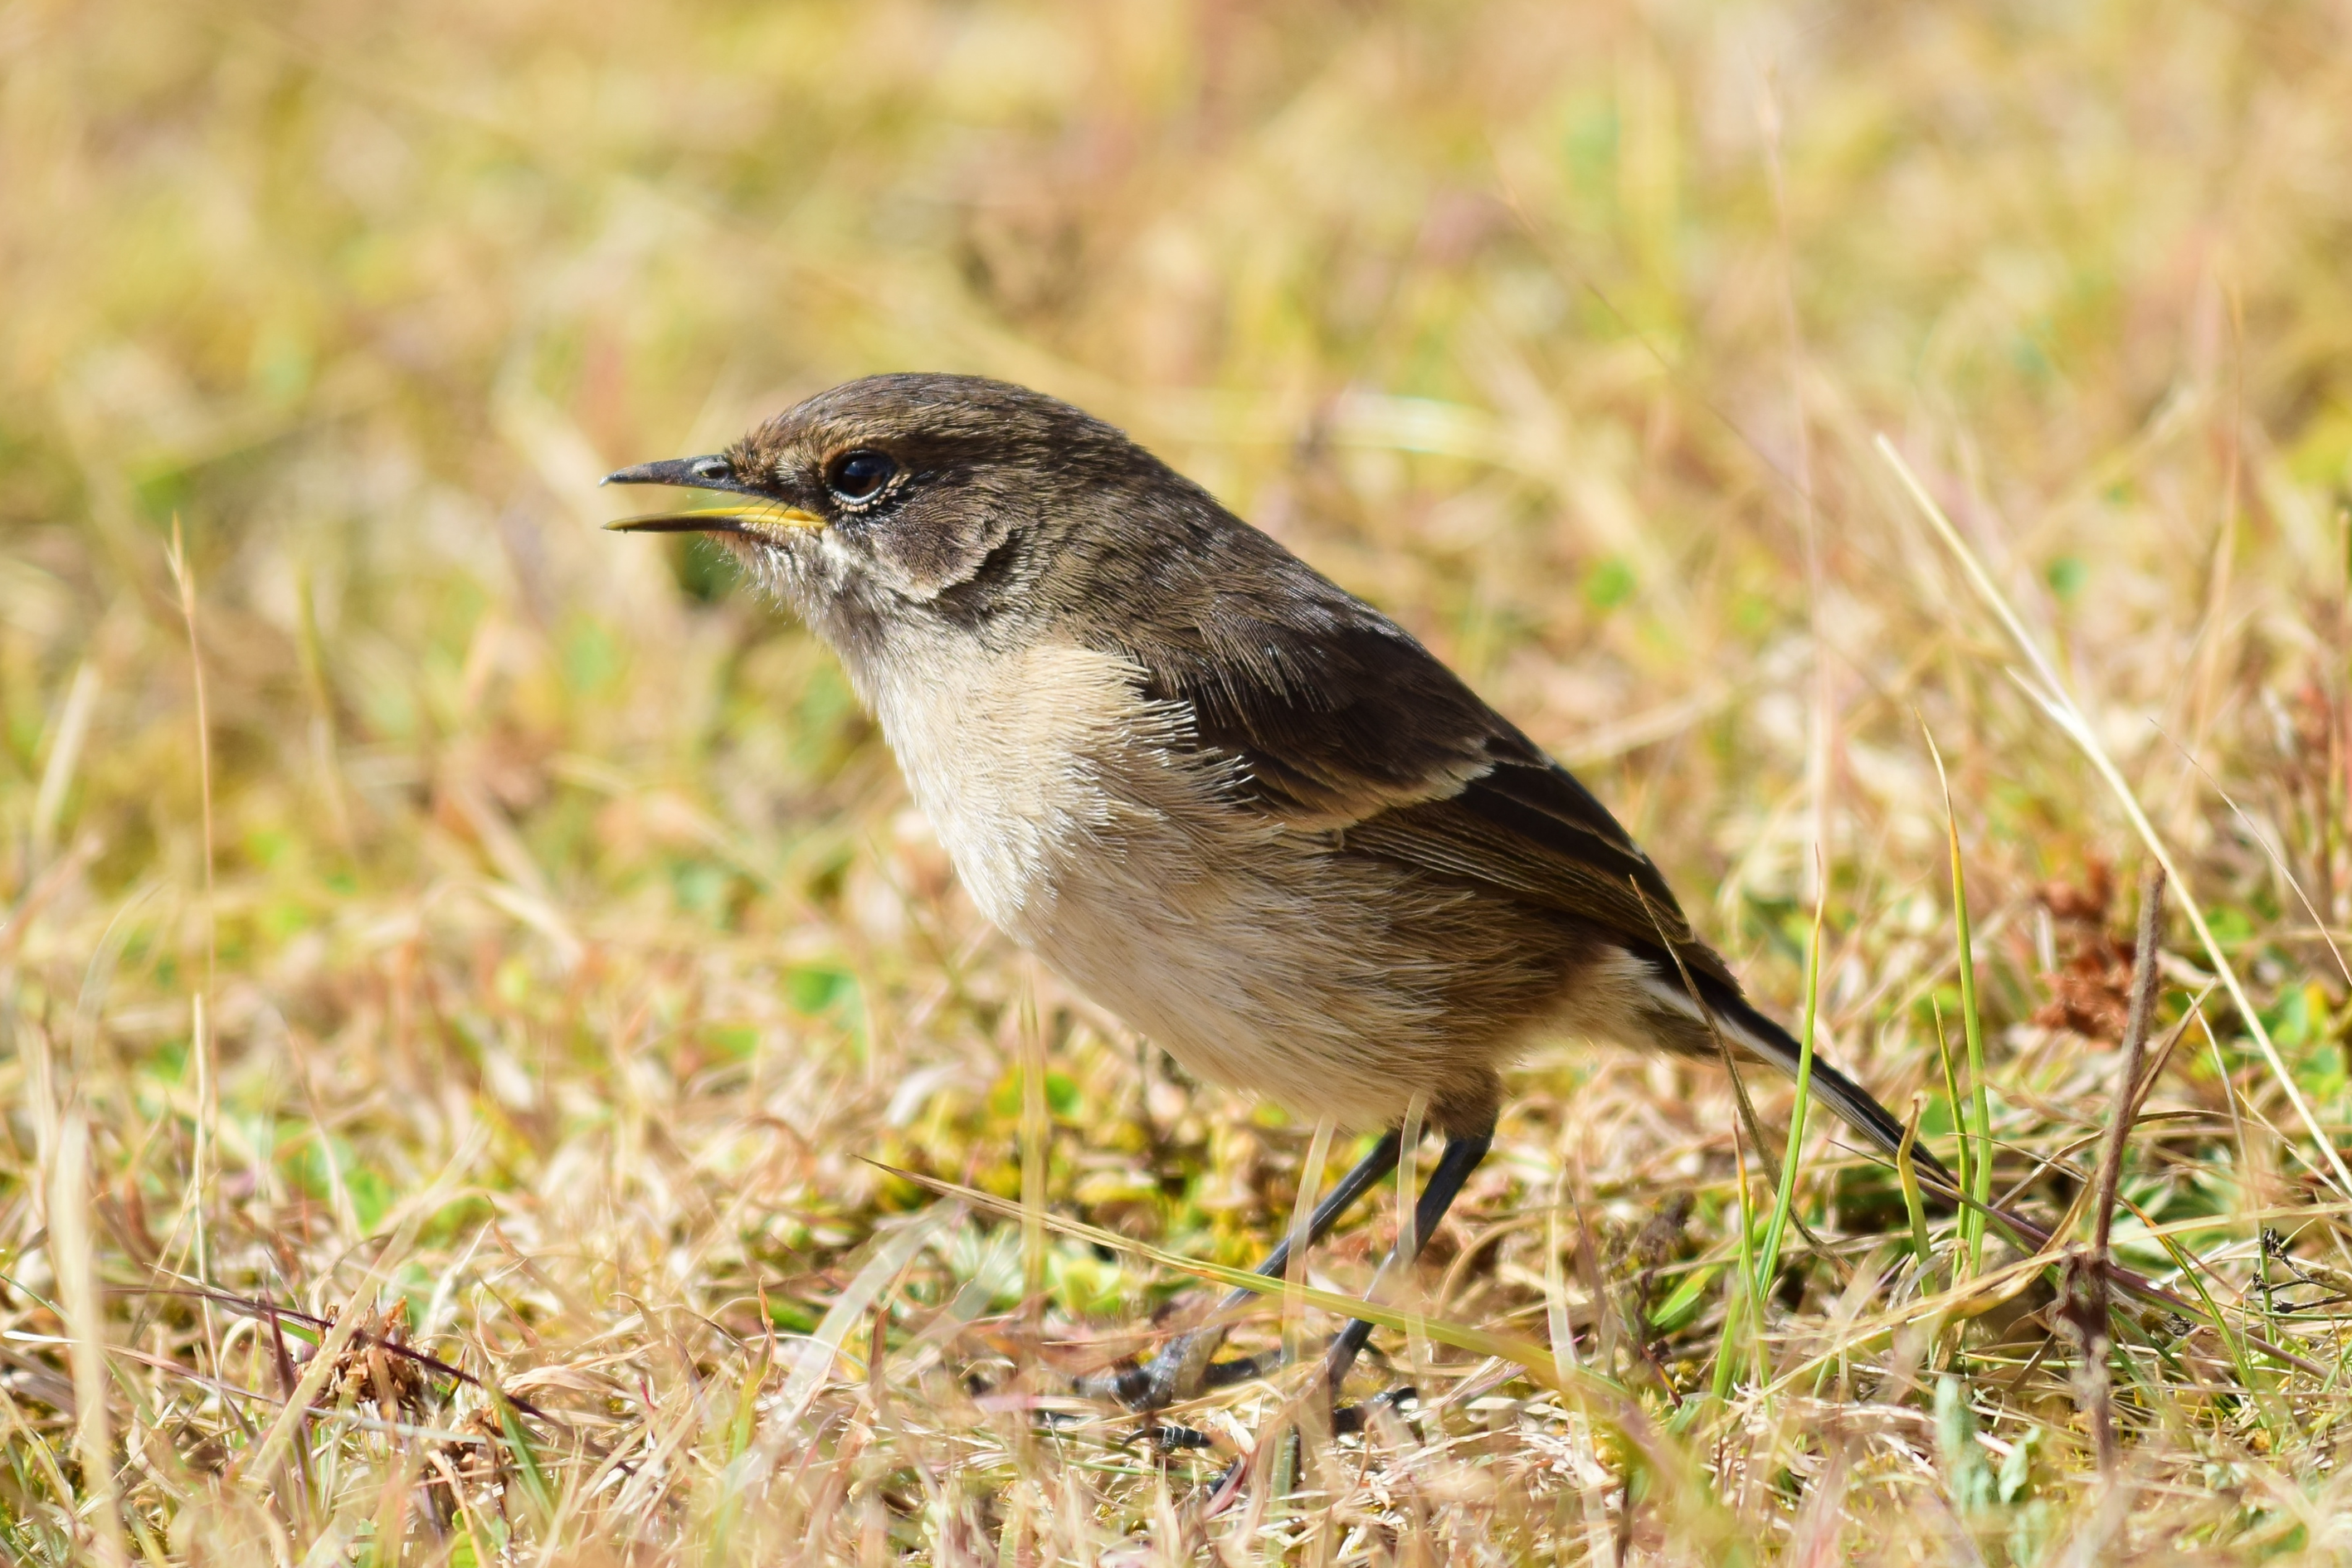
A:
(535, 940)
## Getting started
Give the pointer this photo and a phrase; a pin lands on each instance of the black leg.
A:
(1453, 1167)
(1183, 1368)
(1367, 1173)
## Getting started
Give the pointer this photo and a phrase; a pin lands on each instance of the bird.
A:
(1230, 802)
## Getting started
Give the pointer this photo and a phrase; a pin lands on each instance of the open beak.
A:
(760, 516)
(766, 518)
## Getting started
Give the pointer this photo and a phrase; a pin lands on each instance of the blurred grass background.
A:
(534, 930)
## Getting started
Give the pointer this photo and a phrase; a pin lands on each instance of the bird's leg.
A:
(1453, 1167)
(1184, 1367)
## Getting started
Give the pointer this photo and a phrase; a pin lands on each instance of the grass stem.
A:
(1037, 1134)
(1978, 1182)
(1908, 1172)
(1792, 1157)
(1962, 1165)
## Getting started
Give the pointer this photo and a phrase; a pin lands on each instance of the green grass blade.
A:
(1792, 1157)
(1908, 1170)
(1978, 1181)
(1962, 1165)
(526, 1457)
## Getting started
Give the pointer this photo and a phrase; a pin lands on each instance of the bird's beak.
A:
(760, 516)
(767, 518)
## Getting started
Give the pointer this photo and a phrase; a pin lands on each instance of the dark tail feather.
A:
(1753, 1032)
(1854, 1104)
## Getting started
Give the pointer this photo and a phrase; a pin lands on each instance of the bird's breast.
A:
(1029, 764)
(1086, 825)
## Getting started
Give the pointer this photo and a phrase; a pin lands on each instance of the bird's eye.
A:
(859, 476)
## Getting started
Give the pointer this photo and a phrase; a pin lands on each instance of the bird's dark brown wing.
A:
(1348, 725)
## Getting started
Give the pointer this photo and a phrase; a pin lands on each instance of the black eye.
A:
(860, 475)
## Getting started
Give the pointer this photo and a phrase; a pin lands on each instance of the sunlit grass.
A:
(534, 945)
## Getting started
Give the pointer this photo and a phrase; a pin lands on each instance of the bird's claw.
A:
(1169, 1437)
(1347, 1420)
(1182, 1370)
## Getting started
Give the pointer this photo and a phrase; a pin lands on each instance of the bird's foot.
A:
(1182, 1370)
(1347, 1420)
(1173, 1437)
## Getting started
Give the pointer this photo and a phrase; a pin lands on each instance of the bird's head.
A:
(903, 500)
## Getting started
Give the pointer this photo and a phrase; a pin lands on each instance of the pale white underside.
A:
(1242, 947)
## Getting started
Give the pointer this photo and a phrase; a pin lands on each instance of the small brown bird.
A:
(1232, 803)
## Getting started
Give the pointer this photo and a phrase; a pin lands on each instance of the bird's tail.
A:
(1751, 1031)
(1759, 1036)
(1675, 1012)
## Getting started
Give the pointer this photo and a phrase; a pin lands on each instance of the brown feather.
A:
(1376, 741)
